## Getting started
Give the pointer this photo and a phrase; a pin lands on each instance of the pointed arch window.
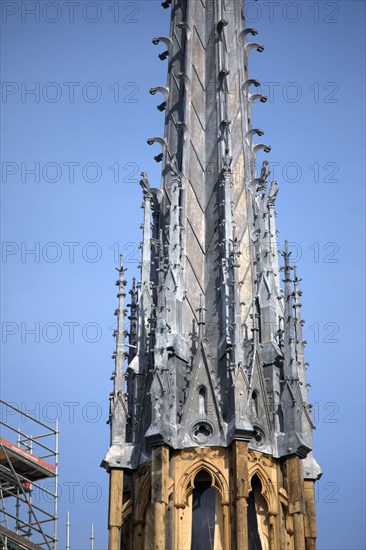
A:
(281, 421)
(202, 400)
(255, 403)
(203, 512)
(258, 528)
(254, 542)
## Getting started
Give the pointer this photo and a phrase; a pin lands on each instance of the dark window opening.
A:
(281, 421)
(202, 400)
(257, 436)
(255, 402)
(203, 513)
(254, 542)
(203, 430)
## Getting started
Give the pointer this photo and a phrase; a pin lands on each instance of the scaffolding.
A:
(28, 481)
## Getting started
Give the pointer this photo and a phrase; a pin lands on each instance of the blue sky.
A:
(83, 131)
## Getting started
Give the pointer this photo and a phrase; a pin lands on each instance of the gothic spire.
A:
(216, 384)
(212, 247)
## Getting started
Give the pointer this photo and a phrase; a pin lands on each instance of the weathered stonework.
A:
(163, 491)
(216, 377)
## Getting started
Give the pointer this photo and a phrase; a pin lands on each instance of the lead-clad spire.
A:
(209, 322)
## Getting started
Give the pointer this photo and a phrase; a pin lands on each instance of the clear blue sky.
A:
(91, 111)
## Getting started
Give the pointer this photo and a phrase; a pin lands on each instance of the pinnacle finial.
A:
(120, 269)
(297, 291)
(145, 185)
(227, 160)
(286, 255)
(121, 282)
(272, 193)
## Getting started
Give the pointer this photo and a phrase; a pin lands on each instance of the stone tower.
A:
(211, 429)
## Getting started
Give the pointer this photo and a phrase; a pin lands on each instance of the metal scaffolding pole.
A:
(55, 513)
(25, 465)
(68, 531)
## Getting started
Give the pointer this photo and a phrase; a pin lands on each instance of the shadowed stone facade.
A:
(210, 380)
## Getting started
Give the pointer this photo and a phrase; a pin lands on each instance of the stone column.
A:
(310, 522)
(274, 532)
(159, 480)
(296, 499)
(226, 521)
(240, 477)
(138, 535)
(115, 508)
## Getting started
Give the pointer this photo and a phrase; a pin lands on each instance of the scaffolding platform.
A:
(28, 507)
(24, 462)
(16, 542)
